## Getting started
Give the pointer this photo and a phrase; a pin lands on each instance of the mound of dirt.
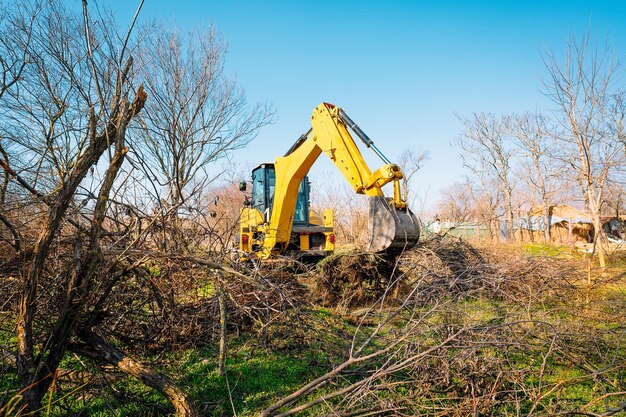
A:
(353, 280)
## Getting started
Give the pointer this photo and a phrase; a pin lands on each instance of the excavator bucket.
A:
(391, 230)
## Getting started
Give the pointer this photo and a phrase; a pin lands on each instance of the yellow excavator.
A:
(277, 218)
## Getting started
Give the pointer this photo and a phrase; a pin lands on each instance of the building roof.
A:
(562, 213)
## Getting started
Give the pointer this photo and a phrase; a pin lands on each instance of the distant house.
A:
(567, 224)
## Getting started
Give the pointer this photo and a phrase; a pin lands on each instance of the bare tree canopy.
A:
(487, 152)
(534, 135)
(197, 115)
(582, 86)
(411, 161)
(67, 98)
(77, 160)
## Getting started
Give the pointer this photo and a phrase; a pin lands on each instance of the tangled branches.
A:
(474, 331)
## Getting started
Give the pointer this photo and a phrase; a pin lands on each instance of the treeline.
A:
(574, 154)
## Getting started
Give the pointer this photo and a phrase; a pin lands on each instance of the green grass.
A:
(254, 378)
(254, 381)
(8, 373)
(547, 250)
(257, 376)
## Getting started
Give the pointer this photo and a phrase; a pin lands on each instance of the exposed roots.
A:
(353, 280)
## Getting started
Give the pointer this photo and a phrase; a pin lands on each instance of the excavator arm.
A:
(391, 224)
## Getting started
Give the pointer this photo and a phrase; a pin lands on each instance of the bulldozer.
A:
(277, 219)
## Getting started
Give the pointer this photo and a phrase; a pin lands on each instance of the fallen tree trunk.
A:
(95, 347)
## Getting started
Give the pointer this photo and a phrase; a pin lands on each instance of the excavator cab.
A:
(263, 186)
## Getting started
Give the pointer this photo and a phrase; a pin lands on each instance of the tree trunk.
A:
(97, 348)
(221, 297)
(511, 226)
(547, 219)
(585, 194)
(34, 371)
(598, 234)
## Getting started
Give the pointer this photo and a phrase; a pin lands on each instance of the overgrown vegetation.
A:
(457, 330)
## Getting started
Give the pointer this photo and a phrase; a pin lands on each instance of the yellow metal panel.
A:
(289, 170)
(304, 242)
(333, 138)
(250, 220)
(329, 221)
(315, 218)
(329, 218)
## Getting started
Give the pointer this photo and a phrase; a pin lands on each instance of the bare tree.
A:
(13, 59)
(197, 115)
(487, 152)
(617, 116)
(13, 62)
(66, 117)
(472, 201)
(457, 203)
(535, 137)
(581, 88)
(614, 199)
(411, 161)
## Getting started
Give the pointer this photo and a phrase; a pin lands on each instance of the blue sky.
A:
(401, 69)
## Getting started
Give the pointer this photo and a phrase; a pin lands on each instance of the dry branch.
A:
(96, 348)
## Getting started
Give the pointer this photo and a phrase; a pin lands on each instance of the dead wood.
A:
(98, 349)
